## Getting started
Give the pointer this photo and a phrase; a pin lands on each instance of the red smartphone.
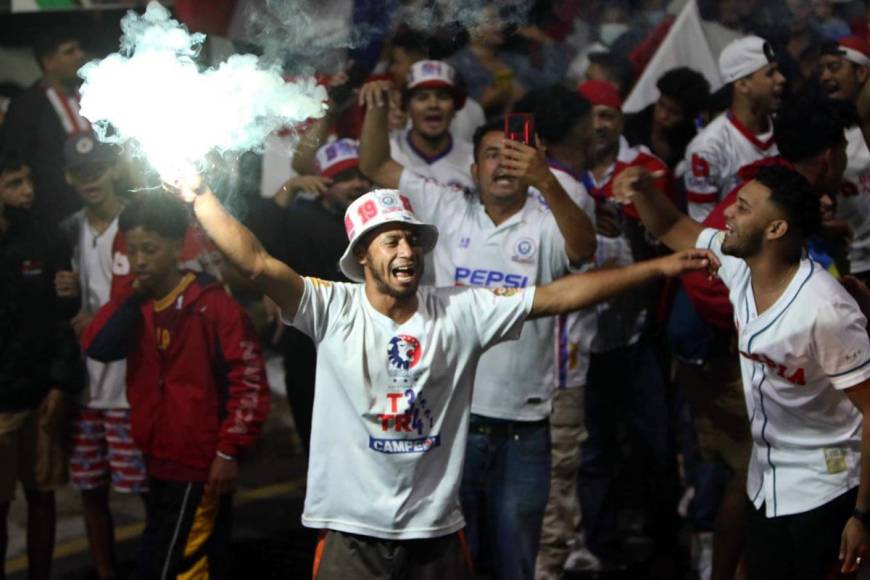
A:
(520, 127)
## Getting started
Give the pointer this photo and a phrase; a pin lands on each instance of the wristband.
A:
(225, 456)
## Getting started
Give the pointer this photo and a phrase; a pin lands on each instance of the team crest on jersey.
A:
(525, 250)
(404, 352)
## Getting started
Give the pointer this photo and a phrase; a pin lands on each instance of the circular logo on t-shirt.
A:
(404, 352)
(524, 250)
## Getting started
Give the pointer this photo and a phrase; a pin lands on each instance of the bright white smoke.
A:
(153, 94)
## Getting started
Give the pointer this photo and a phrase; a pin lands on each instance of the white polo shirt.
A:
(714, 158)
(391, 404)
(796, 358)
(513, 381)
(453, 167)
(853, 202)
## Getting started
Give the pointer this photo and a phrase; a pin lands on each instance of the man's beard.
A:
(384, 288)
(750, 246)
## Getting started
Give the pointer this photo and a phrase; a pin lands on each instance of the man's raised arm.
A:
(273, 277)
(374, 142)
(661, 217)
(581, 290)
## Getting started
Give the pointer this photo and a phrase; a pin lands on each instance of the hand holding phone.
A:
(520, 127)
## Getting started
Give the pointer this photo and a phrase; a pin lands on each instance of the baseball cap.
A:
(599, 92)
(435, 74)
(375, 208)
(854, 48)
(744, 56)
(84, 147)
(335, 157)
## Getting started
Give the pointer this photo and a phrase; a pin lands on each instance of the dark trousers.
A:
(187, 533)
(341, 556)
(802, 546)
(626, 387)
(504, 492)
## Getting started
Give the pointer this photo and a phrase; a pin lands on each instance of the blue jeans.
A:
(505, 486)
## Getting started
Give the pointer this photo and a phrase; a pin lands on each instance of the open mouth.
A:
(404, 273)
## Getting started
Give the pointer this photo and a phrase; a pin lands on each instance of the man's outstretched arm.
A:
(581, 290)
(273, 277)
(374, 142)
(661, 217)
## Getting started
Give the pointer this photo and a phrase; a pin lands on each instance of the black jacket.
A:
(38, 350)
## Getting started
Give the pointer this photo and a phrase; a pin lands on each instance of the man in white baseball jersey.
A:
(501, 238)
(845, 68)
(805, 363)
(741, 135)
(431, 96)
(396, 363)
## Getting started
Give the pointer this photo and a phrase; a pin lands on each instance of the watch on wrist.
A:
(862, 516)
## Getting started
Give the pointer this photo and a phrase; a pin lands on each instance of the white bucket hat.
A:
(378, 207)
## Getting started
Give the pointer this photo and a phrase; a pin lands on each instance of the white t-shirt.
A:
(513, 381)
(796, 358)
(107, 383)
(575, 331)
(714, 157)
(391, 404)
(853, 202)
(452, 167)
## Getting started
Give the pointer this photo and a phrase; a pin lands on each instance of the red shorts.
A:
(103, 450)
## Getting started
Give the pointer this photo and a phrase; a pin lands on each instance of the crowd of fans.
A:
(731, 407)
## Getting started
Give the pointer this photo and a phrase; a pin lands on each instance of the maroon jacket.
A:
(205, 392)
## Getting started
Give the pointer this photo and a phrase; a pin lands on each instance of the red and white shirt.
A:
(853, 201)
(714, 158)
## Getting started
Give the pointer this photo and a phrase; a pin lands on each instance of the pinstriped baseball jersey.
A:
(715, 156)
(797, 358)
(853, 202)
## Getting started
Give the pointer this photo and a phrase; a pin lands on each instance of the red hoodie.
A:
(196, 386)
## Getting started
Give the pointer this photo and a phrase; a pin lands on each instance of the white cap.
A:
(430, 74)
(378, 207)
(743, 57)
(335, 157)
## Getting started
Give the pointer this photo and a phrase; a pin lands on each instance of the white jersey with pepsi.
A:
(513, 381)
(391, 404)
(853, 202)
(714, 158)
(575, 331)
(453, 167)
(797, 357)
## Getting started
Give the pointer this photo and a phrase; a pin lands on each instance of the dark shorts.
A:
(340, 556)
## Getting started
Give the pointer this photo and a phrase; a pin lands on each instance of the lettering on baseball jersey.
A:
(795, 377)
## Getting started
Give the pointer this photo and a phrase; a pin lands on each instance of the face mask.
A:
(608, 33)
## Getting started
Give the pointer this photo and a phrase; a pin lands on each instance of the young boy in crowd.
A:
(40, 364)
(102, 446)
(197, 390)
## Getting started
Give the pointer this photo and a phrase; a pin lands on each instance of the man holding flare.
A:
(395, 369)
